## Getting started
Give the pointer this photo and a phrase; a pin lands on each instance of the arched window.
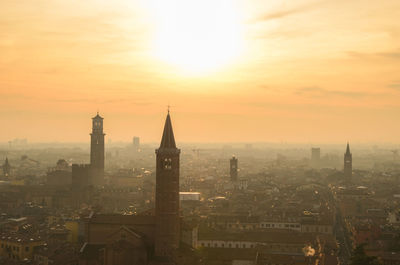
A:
(168, 163)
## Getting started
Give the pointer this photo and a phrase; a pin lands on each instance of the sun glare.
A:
(196, 36)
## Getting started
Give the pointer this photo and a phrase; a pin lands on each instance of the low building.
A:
(17, 246)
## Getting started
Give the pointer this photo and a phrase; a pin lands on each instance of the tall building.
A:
(234, 168)
(315, 157)
(6, 168)
(348, 163)
(167, 234)
(136, 143)
(97, 150)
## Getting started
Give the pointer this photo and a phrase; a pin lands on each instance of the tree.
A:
(360, 258)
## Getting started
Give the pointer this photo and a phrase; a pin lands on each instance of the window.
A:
(168, 163)
(237, 245)
(223, 245)
(26, 249)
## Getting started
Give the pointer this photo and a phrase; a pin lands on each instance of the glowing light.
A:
(197, 36)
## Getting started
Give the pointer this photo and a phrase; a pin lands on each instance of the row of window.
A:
(14, 248)
(287, 226)
(280, 225)
(230, 245)
(252, 245)
(263, 225)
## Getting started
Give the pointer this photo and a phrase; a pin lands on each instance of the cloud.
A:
(395, 85)
(108, 101)
(288, 12)
(393, 55)
(315, 91)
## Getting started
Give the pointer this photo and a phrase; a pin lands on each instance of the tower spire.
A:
(168, 139)
(348, 148)
(167, 234)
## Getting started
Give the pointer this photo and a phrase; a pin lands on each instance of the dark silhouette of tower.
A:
(315, 157)
(97, 150)
(167, 234)
(6, 168)
(234, 168)
(348, 163)
(136, 143)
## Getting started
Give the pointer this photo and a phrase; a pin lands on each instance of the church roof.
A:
(168, 139)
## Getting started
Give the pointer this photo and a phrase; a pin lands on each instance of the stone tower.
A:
(348, 163)
(97, 150)
(234, 168)
(6, 168)
(167, 234)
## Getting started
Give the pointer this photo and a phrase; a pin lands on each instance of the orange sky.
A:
(254, 70)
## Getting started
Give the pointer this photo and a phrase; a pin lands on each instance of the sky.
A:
(232, 71)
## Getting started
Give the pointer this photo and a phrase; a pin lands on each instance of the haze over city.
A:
(232, 71)
(200, 132)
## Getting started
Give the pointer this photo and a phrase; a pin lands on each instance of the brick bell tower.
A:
(167, 234)
(97, 150)
(348, 164)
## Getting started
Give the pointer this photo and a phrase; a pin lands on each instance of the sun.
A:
(197, 36)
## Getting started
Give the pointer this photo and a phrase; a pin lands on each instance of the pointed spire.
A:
(348, 148)
(168, 139)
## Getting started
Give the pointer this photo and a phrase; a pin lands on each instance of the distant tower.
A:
(6, 168)
(315, 157)
(348, 163)
(136, 143)
(97, 150)
(234, 168)
(167, 194)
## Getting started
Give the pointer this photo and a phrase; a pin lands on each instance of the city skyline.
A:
(298, 72)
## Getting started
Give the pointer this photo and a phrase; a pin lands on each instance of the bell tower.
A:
(97, 150)
(167, 235)
(233, 168)
(348, 163)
